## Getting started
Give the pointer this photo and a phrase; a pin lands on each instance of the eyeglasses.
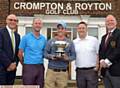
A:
(15, 20)
(60, 28)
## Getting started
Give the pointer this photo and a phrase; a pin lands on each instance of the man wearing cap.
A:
(57, 74)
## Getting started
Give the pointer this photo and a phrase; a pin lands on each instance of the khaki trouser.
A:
(56, 79)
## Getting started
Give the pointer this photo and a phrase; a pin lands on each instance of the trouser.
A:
(33, 74)
(7, 77)
(111, 81)
(86, 78)
(56, 79)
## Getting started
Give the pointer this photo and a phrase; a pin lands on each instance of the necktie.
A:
(107, 38)
(13, 40)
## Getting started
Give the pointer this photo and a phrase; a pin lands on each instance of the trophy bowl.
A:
(61, 45)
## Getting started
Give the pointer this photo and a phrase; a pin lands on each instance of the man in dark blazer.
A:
(109, 54)
(9, 42)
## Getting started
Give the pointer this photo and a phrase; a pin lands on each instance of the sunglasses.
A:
(15, 20)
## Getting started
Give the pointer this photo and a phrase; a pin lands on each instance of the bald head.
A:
(110, 17)
(12, 21)
(12, 16)
(110, 22)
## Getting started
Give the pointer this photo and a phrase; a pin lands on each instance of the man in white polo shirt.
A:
(86, 48)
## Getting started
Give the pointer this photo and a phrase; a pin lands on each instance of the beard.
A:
(37, 30)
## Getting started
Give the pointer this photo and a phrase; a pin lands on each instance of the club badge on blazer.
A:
(113, 43)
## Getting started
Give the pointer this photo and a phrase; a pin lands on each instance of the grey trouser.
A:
(86, 78)
(111, 81)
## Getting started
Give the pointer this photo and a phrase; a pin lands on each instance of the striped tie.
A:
(107, 38)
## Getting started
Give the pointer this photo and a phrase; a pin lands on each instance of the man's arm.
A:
(47, 51)
(97, 63)
(102, 54)
(4, 59)
(20, 55)
(22, 47)
(115, 53)
(97, 50)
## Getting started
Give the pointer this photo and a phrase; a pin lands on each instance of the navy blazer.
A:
(111, 52)
(6, 52)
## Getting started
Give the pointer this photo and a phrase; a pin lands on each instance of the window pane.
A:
(93, 31)
(28, 29)
(74, 33)
(54, 29)
(48, 33)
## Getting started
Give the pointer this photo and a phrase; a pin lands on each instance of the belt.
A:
(59, 70)
(86, 68)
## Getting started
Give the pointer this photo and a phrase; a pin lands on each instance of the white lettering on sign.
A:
(62, 8)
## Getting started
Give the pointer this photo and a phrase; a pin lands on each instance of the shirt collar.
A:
(35, 36)
(9, 30)
(112, 30)
(84, 38)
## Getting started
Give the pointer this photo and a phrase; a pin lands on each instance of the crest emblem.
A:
(113, 44)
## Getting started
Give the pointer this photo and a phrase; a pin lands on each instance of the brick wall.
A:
(4, 11)
(117, 11)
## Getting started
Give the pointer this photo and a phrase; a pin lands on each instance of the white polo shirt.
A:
(86, 51)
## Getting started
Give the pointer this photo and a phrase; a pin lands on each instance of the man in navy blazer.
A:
(9, 42)
(109, 54)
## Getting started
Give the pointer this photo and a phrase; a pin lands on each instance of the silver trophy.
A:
(61, 45)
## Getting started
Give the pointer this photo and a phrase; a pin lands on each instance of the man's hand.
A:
(52, 57)
(12, 67)
(20, 55)
(57, 57)
(103, 64)
(65, 57)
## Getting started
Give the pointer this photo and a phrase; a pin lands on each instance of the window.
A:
(48, 33)
(71, 33)
(28, 29)
(93, 31)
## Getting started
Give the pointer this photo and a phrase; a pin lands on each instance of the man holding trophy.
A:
(59, 51)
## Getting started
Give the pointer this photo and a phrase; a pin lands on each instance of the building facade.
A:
(53, 11)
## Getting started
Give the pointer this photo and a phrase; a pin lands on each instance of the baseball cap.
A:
(63, 24)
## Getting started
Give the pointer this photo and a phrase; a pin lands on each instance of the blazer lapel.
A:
(8, 38)
(103, 42)
(111, 37)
